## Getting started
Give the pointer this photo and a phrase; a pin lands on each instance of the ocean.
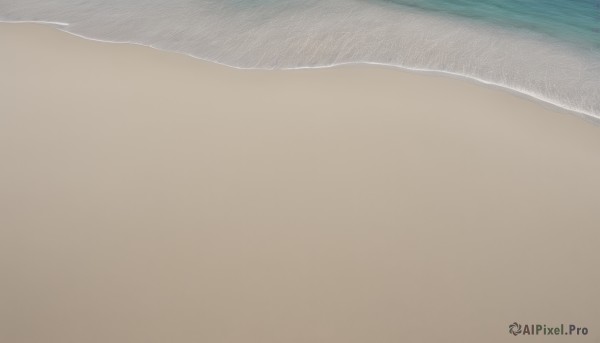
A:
(547, 49)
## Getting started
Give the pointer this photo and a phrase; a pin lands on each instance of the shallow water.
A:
(546, 48)
(575, 21)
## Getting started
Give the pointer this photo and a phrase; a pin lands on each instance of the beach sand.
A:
(146, 196)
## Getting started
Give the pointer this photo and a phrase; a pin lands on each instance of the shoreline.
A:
(526, 94)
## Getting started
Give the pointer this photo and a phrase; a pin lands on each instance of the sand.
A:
(146, 196)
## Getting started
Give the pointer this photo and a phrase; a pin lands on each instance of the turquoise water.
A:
(576, 21)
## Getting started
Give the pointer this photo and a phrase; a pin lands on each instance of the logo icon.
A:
(515, 328)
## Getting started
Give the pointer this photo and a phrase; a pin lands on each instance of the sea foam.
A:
(285, 34)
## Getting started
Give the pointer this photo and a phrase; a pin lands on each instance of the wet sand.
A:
(149, 197)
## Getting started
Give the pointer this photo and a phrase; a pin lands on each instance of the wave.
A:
(292, 34)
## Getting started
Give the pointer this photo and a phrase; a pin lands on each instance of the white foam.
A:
(292, 34)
